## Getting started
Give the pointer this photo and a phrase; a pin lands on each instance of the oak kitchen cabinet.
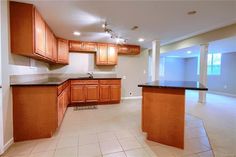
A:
(106, 54)
(110, 90)
(83, 91)
(63, 51)
(63, 101)
(38, 110)
(31, 36)
(129, 49)
(82, 46)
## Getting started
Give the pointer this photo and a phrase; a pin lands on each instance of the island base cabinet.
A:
(163, 115)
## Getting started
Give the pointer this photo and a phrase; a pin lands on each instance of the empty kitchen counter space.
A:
(39, 105)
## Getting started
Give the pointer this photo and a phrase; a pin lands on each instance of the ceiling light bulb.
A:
(76, 33)
(189, 52)
(140, 39)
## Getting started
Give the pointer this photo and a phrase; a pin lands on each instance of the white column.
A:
(203, 72)
(155, 60)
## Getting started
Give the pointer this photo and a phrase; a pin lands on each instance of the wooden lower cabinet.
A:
(115, 91)
(92, 93)
(77, 94)
(38, 110)
(83, 91)
(104, 93)
(63, 101)
(95, 91)
(110, 90)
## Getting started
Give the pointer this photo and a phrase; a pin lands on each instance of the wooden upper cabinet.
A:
(112, 54)
(40, 34)
(54, 49)
(30, 35)
(129, 49)
(102, 55)
(62, 51)
(106, 54)
(90, 46)
(49, 43)
(81, 46)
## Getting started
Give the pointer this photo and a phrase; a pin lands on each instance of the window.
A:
(213, 64)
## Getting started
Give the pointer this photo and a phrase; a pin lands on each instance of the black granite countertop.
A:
(59, 80)
(190, 85)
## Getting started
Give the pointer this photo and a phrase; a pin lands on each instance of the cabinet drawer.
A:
(110, 82)
(84, 81)
(62, 87)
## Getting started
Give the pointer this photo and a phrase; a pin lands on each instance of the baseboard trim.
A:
(222, 93)
(6, 146)
(131, 97)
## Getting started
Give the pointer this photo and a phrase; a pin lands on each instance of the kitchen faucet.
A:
(90, 74)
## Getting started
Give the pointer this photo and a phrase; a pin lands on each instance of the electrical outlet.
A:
(124, 77)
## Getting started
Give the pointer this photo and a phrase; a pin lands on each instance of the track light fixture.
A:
(119, 40)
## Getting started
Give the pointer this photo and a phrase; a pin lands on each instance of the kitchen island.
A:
(163, 110)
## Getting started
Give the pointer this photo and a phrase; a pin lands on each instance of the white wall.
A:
(6, 91)
(1, 115)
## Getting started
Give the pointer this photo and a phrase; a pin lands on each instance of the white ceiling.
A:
(227, 45)
(162, 20)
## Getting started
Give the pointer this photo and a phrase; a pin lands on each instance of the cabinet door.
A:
(54, 49)
(77, 93)
(49, 43)
(112, 54)
(133, 49)
(75, 46)
(67, 97)
(90, 46)
(92, 93)
(104, 93)
(123, 49)
(60, 107)
(63, 52)
(115, 92)
(101, 55)
(40, 34)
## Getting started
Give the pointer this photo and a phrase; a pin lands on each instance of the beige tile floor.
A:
(219, 116)
(114, 131)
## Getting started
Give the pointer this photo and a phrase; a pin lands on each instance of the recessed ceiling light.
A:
(140, 39)
(189, 52)
(76, 33)
(192, 12)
